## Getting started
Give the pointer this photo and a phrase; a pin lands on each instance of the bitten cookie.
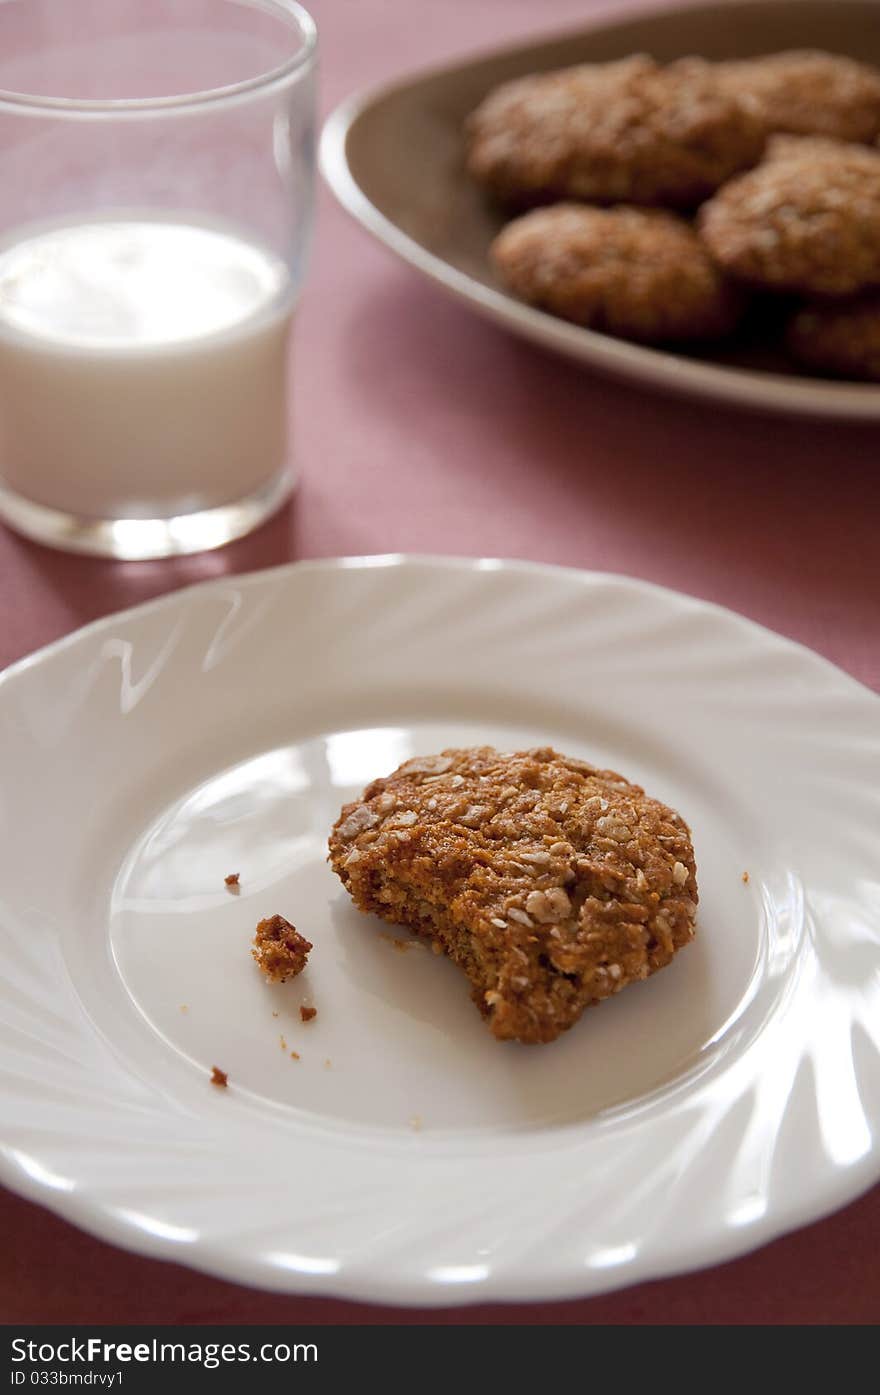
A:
(551, 883)
(638, 273)
(808, 92)
(629, 131)
(807, 219)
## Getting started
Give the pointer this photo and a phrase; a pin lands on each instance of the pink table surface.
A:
(421, 429)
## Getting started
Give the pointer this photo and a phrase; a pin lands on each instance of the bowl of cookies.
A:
(689, 199)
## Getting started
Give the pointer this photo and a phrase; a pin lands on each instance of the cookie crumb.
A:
(328, 1063)
(294, 1055)
(745, 876)
(307, 1013)
(282, 1043)
(184, 1007)
(219, 1077)
(231, 881)
(274, 1014)
(279, 949)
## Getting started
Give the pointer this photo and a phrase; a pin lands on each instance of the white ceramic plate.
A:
(394, 157)
(406, 1155)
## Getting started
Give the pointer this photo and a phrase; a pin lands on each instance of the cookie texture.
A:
(551, 883)
(639, 273)
(629, 131)
(807, 219)
(839, 338)
(808, 92)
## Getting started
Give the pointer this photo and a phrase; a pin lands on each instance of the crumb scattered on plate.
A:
(283, 1043)
(745, 876)
(328, 1063)
(184, 1007)
(294, 1055)
(307, 1013)
(279, 949)
(415, 1123)
(232, 880)
(219, 1077)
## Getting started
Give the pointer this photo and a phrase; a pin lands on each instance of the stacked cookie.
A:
(663, 198)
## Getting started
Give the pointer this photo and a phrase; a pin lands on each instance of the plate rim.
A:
(428, 560)
(641, 365)
(97, 1218)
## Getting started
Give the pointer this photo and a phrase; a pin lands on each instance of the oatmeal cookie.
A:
(551, 883)
(629, 131)
(840, 338)
(639, 273)
(807, 219)
(808, 92)
(279, 949)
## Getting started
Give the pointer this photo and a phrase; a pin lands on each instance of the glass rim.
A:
(24, 103)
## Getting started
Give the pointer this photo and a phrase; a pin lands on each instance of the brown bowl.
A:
(394, 159)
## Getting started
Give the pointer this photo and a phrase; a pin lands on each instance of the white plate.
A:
(407, 1156)
(394, 157)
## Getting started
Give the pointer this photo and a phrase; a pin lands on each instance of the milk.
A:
(142, 366)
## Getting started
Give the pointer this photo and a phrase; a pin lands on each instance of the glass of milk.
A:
(156, 190)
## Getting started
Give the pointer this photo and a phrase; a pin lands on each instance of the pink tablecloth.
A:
(420, 429)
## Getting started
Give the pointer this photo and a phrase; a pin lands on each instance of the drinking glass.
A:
(157, 172)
